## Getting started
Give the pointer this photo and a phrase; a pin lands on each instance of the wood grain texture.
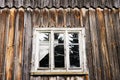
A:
(102, 39)
(27, 43)
(94, 42)
(60, 3)
(10, 46)
(2, 41)
(19, 45)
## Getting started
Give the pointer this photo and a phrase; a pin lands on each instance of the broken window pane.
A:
(74, 56)
(59, 49)
(44, 37)
(44, 49)
(58, 38)
(74, 49)
(73, 38)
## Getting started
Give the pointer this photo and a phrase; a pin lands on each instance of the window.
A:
(58, 50)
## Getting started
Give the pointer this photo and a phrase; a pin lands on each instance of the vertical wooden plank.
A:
(110, 38)
(79, 3)
(79, 78)
(86, 3)
(36, 18)
(94, 41)
(81, 13)
(115, 22)
(62, 3)
(41, 3)
(36, 3)
(65, 3)
(18, 3)
(69, 3)
(10, 46)
(50, 5)
(67, 18)
(118, 28)
(6, 12)
(27, 3)
(19, 45)
(27, 43)
(87, 77)
(45, 17)
(85, 15)
(67, 78)
(105, 64)
(52, 17)
(2, 3)
(32, 78)
(9, 3)
(16, 44)
(57, 3)
(52, 78)
(46, 3)
(3, 16)
(77, 17)
(41, 18)
(72, 17)
(74, 3)
(113, 44)
(1, 46)
(60, 18)
(53, 3)
(60, 78)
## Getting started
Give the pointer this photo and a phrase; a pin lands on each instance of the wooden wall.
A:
(59, 3)
(102, 40)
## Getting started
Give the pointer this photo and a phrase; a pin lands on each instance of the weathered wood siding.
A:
(59, 3)
(102, 40)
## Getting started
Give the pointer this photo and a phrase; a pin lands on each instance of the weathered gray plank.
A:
(46, 3)
(105, 65)
(60, 3)
(67, 17)
(118, 28)
(73, 3)
(52, 17)
(27, 43)
(36, 18)
(109, 34)
(65, 3)
(45, 15)
(57, 3)
(60, 17)
(18, 3)
(72, 18)
(9, 3)
(94, 41)
(115, 22)
(2, 3)
(77, 17)
(85, 16)
(19, 25)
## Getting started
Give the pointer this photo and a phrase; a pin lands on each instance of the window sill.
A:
(59, 73)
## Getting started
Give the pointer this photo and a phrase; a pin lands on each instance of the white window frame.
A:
(82, 54)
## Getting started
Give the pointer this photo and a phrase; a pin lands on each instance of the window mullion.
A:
(52, 51)
(83, 48)
(80, 50)
(37, 51)
(67, 50)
